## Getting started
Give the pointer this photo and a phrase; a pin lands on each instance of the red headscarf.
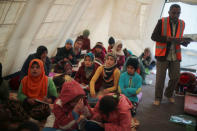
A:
(35, 87)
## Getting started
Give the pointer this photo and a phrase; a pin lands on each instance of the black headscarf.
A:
(111, 41)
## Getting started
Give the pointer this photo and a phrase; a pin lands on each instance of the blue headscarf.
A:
(69, 41)
(129, 52)
(90, 55)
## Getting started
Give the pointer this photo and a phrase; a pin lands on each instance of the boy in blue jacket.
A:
(130, 82)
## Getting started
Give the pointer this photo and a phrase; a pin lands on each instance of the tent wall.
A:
(192, 2)
(26, 24)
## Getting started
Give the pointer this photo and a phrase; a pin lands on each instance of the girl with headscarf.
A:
(77, 49)
(146, 59)
(36, 86)
(111, 43)
(99, 52)
(117, 50)
(66, 53)
(86, 40)
(87, 70)
(109, 74)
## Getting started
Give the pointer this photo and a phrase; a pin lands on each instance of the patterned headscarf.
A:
(89, 70)
(112, 55)
(90, 55)
(108, 71)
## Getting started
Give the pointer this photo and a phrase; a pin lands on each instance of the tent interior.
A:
(27, 24)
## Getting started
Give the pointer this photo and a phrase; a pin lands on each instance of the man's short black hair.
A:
(174, 6)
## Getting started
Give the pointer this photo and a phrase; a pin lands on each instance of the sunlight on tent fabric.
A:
(27, 24)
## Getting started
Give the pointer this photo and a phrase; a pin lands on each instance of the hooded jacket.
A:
(64, 118)
(118, 120)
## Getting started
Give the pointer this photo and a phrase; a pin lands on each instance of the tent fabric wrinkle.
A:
(26, 24)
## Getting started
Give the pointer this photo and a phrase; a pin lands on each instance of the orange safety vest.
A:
(166, 31)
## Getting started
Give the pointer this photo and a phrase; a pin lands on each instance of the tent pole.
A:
(163, 8)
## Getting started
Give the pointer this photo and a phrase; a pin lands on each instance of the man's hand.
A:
(174, 39)
(186, 41)
(182, 41)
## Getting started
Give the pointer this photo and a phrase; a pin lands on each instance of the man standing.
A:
(168, 35)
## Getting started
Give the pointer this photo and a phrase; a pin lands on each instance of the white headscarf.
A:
(114, 49)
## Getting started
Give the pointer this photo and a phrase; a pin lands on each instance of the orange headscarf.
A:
(35, 87)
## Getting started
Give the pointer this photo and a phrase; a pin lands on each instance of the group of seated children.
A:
(71, 111)
(116, 93)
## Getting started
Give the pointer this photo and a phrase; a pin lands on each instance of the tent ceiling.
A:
(192, 2)
(24, 25)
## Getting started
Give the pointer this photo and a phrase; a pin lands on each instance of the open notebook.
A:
(193, 37)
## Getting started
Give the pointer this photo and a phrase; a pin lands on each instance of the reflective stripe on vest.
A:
(166, 31)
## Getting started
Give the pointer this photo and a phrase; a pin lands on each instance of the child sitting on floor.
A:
(112, 113)
(98, 52)
(130, 83)
(111, 43)
(66, 53)
(117, 50)
(146, 59)
(70, 108)
(86, 71)
(35, 87)
(77, 49)
(187, 83)
(140, 68)
(109, 74)
(41, 53)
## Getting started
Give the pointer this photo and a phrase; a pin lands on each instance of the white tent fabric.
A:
(26, 24)
(192, 2)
